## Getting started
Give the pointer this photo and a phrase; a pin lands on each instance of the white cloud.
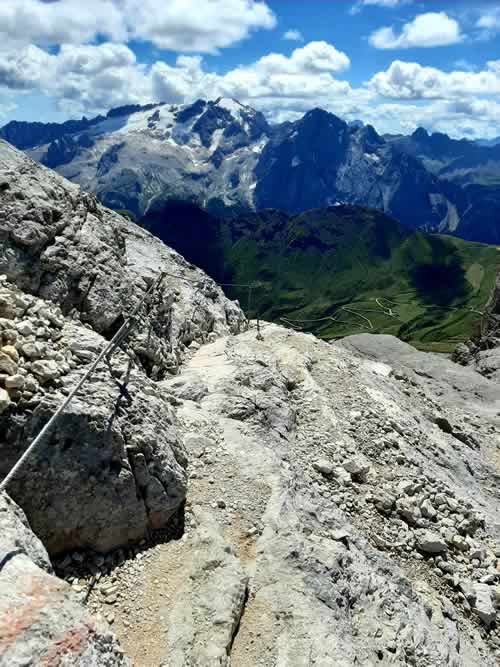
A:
(297, 82)
(93, 78)
(191, 25)
(426, 30)
(489, 20)
(21, 70)
(78, 78)
(72, 21)
(386, 3)
(293, 36)
(180, 25)
(389, 4)
(488, 23)
(411, 81)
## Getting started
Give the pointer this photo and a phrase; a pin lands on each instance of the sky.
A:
(397, 64)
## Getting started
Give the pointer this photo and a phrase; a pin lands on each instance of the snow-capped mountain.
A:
(226, 158)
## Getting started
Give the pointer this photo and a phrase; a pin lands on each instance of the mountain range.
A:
(226, 158)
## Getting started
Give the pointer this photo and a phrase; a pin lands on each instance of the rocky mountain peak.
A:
(420, 134)
(221, 155)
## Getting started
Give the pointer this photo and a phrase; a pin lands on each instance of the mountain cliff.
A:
(226, 158)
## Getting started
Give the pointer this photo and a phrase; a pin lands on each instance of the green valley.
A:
(342, 270)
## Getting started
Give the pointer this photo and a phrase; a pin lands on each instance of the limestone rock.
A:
(11, 351)
(60, 244)
(431, 543)
(483, 603)
(42, 622)
(14, 382)
(7, 365)
(4, 400)
(113, 468)
(17, 537)
(208, 609)
(358, 468)
(326, 586)
(323, 466)
(45, 370)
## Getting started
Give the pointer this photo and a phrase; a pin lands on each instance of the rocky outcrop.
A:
(41, 620)
(113, 468)
(58, 243)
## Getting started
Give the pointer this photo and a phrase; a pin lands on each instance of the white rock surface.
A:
(335, 571)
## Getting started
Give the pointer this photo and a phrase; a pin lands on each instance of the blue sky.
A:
(395, 63)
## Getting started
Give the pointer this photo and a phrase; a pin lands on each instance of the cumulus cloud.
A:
(191, 25)
(293, 36)
(489, 20)
(93, 78)
(411, 81)
(78, 78)
(488, 23)
(21, 70)
(180, 25)
(68, 21)
(293, 81)
(426, 30)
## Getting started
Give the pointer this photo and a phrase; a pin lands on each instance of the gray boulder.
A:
(483, 603)
(430, 542)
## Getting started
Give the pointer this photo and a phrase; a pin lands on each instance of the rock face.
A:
(225, 157)
(113, 468)
(41, 620)
(59, 244)
(357, 483)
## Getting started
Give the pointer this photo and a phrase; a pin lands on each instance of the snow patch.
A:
(234, 107)
(216, 139)
(259, 146)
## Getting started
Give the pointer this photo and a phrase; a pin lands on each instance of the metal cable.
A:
(122, 332)
(109, 349)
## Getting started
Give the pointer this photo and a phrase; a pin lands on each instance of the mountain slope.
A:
(352, 268)
(461, 161)
(225, 157)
